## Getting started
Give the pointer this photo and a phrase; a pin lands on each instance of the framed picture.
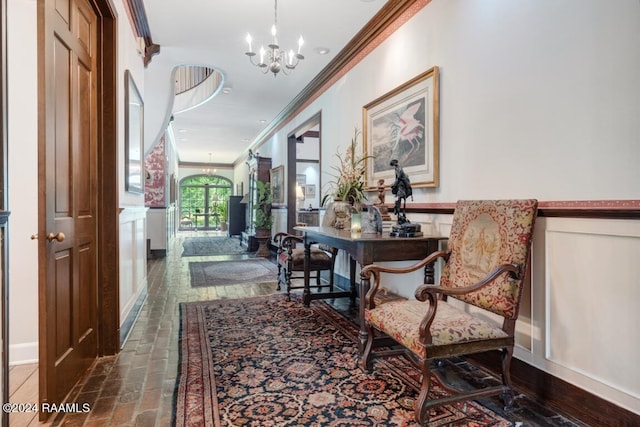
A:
(277, 184)
(403, 124)
(310, 191)
(133, 136)
(301, 179)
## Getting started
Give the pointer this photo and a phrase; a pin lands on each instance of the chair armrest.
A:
(514, 271)
(375, 270)
(277, 238)
(286, 242)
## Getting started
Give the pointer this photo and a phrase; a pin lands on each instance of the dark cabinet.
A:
(236, 215)
(259, 170)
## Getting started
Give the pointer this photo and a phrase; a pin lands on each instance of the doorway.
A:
(204, 201)
(299, 196)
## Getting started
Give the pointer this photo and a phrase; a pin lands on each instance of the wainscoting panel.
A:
(591, 318)
(133, 260)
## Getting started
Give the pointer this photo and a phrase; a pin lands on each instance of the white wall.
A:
(537, 99)
(22, 83)
(132, 220)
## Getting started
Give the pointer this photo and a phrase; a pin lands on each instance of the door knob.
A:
(58, 237)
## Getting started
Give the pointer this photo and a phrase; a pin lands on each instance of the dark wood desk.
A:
(364, 249)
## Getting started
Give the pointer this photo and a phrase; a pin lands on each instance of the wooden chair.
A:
(290, 256)
(485, 266)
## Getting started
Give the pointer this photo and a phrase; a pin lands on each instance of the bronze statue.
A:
(401, 188)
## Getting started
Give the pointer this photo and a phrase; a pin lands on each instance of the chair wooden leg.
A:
(318, 279)
(507, 396)
(365, 359)
(421, 408)
(279, 276)
(288, 280)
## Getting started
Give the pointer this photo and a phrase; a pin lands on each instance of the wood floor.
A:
(135, 388)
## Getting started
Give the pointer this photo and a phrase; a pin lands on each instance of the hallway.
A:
(135, 388)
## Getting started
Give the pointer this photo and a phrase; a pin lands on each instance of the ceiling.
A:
(212, 33)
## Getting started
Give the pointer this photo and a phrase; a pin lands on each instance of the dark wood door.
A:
(68, 237)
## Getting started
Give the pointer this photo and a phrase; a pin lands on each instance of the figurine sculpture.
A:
(384, 211)
(401, 188)
(381, 191)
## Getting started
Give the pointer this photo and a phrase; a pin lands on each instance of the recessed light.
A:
(263, 121)
(182, 130)
(226, 90)
(321, 50)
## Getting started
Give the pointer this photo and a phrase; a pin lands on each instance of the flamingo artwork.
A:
(408, 128)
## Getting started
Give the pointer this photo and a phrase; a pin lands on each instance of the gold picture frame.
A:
(403, 124)
(277, 184)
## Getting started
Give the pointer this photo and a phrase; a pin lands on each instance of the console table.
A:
(364, 249)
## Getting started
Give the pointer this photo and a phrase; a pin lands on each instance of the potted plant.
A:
(347, 190)
(262, 218)
(348, 185)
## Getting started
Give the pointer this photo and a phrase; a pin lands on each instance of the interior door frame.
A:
(108, 317)
(292, 139)
(108, 200)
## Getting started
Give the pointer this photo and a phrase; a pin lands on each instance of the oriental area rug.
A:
(268, 362)
(205, 246)
(218, 273)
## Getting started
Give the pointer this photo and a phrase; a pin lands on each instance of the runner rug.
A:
(205, 246)
(216, 273)
(268, 362)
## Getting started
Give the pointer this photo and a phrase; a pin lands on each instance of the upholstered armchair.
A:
(290, 256)
(485, 266)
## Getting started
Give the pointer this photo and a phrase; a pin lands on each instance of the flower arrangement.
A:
(348, 185)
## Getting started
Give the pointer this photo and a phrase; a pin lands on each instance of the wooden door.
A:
(68, 236)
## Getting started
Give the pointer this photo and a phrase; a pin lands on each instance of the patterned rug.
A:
(268, 362)
(204, 246)
(217, 273)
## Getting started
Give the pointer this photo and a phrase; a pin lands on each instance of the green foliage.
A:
(349, 179)
(194, 192)
(262, 205)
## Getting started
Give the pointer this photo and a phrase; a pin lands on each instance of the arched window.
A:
(204, 199)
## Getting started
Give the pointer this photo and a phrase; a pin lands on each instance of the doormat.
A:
(218, 273)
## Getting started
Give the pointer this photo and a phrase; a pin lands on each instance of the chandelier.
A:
(209, 170)
(274, 59)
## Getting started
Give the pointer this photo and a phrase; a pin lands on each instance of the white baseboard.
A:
(22, 354)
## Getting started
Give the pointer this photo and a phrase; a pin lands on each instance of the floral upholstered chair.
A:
(485, 266)
(291, 262)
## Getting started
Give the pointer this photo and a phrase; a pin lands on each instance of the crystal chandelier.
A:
(274, 59)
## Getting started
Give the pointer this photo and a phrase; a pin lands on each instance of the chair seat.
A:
(320, 260)
(401, 321)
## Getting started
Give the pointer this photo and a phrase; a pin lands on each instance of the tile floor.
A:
(135, 388)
